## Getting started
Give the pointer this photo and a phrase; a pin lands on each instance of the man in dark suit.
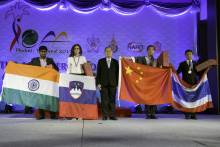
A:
(189, 75)
(107, 82)
(43, 61)
(149, 60)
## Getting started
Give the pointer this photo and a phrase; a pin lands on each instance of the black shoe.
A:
(187, 117)
(41, 117)
(8, 108)
(113, 118)
(104, 118)
(53, 117)
(153, 117)
(148, 117)
(68, 118)
(193, 117)
(28, 112)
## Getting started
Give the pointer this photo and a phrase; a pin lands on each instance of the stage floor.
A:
(170, 130)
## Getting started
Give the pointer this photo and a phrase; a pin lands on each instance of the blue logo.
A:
(135, 46)
(33, 85)
(76, 89)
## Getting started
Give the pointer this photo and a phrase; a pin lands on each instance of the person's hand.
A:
(99, 86)
(49, 66)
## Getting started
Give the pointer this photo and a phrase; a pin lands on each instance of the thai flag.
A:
(77, 95)
(188, 98)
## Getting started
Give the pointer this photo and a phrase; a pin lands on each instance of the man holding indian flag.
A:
(33, 86)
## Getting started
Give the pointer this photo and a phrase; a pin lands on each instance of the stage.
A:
(170, 130)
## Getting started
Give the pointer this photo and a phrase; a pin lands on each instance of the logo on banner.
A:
(93, 43)
(56, 38)
(29, 38)
(135, 47)
(17, 11)
(114, 45)
(33, 85)
(158, 46)
(76, 88)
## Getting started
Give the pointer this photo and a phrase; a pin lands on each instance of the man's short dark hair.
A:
(107, 47)
(43, 48)
(150, 46)
(186, 51)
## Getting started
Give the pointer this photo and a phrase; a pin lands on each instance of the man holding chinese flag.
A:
(144, 83)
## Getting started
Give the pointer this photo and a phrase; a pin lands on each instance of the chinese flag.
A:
(144, 84)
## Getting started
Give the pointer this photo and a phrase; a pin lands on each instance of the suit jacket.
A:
(107, 76)
(142, 60)
(184, 68)
(36, 62)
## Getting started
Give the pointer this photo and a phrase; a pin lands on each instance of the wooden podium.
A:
(87, 69)
(163, 59)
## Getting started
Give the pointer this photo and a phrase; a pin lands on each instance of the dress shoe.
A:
(41, 117)
(104, 118)
(153, 117)
(68, 118)
(187, 117)
(113, 118)
(54, 117)
(193, 117)
(148, 117)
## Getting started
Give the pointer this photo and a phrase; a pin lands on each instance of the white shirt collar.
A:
(188, 61)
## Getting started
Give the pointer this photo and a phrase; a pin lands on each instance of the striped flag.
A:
(191, 99)
(32, 86)
(77, 97)
(153, 86)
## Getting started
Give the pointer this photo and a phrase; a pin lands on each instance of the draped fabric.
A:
(144, 84)
(120, 6)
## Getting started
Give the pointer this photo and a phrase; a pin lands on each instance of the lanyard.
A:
(76, 63)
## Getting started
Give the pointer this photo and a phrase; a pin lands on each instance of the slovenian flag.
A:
(191, 99)
(32, 86)
(77, 96)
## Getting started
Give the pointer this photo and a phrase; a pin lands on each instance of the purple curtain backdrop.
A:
(177, 6)
(124, 7)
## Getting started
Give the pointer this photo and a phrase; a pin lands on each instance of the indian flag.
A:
(32, 86)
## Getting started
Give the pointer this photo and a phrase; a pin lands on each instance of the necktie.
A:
(108, 62)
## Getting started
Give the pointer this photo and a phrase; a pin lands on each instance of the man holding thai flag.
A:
(197, 95)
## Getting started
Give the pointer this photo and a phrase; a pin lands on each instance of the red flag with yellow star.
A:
(144, 84)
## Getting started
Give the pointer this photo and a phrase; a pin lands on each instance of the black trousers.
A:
(108, 95)
(150, 109)
(28, 109)
(188, 114)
